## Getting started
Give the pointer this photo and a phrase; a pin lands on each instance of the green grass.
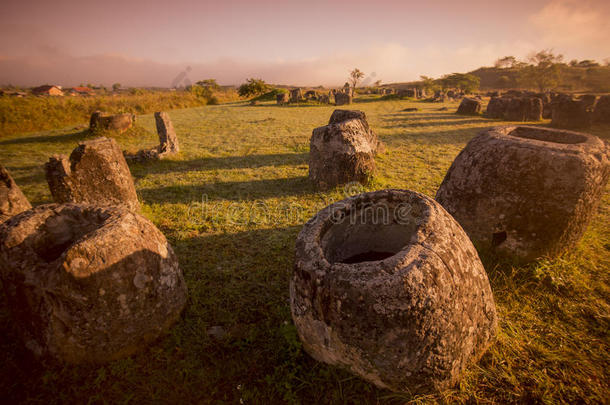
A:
(31, 113)
(552, 346)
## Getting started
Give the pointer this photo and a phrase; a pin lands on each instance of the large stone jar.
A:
(526, 191)
(388, 285)
(88, 284)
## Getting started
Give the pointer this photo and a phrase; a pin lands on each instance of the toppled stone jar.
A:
(526, 191)
(12, 200)
(388, 285)
(88, 284)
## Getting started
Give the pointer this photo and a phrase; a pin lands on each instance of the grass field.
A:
(232, 204)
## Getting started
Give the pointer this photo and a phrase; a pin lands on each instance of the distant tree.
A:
(427, 83)
(544, 71)
(204, 92)
(504, 81)
(355, 76)
(377, 83)
(461, 81)
(587, 63)
(506, 62)
(574, 62)
(116, 86)
(253, 87)
(210, 83)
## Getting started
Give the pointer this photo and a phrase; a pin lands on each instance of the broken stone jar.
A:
(88, 284)
(387, 285)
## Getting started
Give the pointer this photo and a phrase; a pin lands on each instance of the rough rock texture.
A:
(324, 98)
(282, 98)
(515, 108)
(117, 122)
(496, 107)
(587, 101)
(526, 191)
(388, 285)
(601, 113)
(343, 98)
(95, 174)
(341, 153)
(523, 109)
(407, 92)
(311, 95)
(88, 284)
(568, 113)
(296, 95)
(168, 141)
(343, 115)
(12, 200)
(469, 106)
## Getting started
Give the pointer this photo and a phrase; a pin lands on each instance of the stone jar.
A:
(387, 285)
(88, 284)
(12, 200)
(526, 191)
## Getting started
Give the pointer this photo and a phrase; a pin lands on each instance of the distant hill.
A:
(574, 79)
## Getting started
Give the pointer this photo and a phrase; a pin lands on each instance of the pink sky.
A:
(149, 43)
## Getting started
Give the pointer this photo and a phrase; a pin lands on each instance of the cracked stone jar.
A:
(387, 285)
(88, 284)
(526, 191)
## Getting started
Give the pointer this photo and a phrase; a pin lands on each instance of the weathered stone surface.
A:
(601, 113)
(116, 122)
(12, 200)
(88, 284)
(587, 101)
(387, 285)
(168, 141)
(496, 107)
(341, 153)
(343, 115)
(343, 98)
(407, 92)
(526, 191)
(296, 95)
(324, 98)
(469, 106)
(311, 95)
(568, 113)
(523, 109)
(282, 98)
(95, 174)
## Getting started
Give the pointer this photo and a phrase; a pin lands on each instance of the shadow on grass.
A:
(434, 137)
(74, 136)
(214, 163)
(237, 282)
(406, 123)
(292, 105)
(230, 190)
(427, 116)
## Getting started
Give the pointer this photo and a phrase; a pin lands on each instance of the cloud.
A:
(582, 24)
(389, 62)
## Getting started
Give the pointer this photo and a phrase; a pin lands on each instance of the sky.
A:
(293, 42)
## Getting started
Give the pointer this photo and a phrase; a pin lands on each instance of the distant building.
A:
(82, 91)
(47, 90)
